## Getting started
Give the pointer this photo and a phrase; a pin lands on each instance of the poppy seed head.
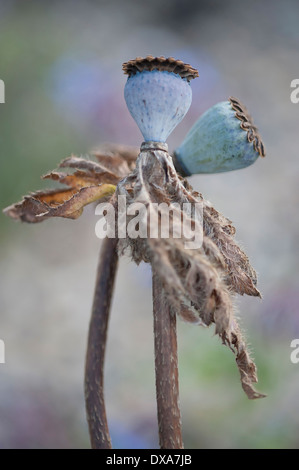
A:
(158, 94)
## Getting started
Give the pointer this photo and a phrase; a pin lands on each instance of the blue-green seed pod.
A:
(223, 139)
(158, 94)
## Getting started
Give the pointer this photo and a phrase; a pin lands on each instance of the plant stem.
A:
(166, 366)
(97, 336)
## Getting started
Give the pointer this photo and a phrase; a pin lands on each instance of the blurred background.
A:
(61, 64)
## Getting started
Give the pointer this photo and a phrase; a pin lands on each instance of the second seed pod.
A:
(223, 139)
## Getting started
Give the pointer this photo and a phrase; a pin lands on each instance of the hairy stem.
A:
(166, 365)
(97, 336)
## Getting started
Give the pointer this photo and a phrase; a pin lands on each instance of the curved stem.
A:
(166, 365)
(97, 336)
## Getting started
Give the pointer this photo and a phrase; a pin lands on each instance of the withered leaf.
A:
(125, 152)
(91, 181)
(241, 276)
(68, 203)
(79, 179)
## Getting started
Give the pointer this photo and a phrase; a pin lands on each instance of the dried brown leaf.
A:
(241, 276)
(79, 179)
(125, 152)
(67, 203)
(91, 181)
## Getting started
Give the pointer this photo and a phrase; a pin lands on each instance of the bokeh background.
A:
(61, 64)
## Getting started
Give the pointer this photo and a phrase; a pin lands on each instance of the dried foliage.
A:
(91, 181)
(199, 283)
